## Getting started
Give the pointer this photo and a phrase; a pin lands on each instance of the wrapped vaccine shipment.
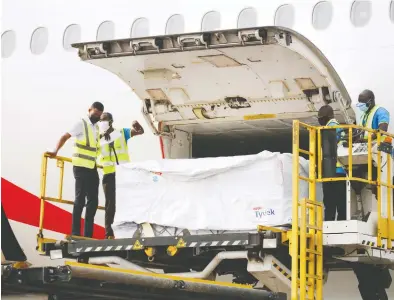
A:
(224, 193)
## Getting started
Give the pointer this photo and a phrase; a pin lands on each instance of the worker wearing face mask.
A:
(86, 134)
(112, 154)
(373, 117)
(334, 192)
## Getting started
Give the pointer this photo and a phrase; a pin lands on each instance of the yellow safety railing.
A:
(60, 161)
(306, 248)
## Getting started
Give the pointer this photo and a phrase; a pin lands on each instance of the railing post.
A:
(379, 192)
(312, 211)
(369, 156)
(389, 199)
(60, 164)
(294, 233)
(320, 156)
(43, 184)
(350, 160)
(303, 247)
(319, 258)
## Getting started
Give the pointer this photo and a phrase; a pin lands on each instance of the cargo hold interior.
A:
(227, 139)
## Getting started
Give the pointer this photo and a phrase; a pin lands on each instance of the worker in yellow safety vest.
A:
(112, 154)
(373, 117)
(86, 134)
(334, 192)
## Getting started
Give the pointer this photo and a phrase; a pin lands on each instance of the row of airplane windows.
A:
(360, 15)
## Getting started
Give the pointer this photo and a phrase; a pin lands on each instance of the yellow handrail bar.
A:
(60, 160)
(346, 126)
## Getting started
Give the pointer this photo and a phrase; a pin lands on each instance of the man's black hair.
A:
(98, 105)
(367, 95)
(109, 115)
(326, 111)
(370, 94)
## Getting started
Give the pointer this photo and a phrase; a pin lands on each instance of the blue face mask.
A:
(362, 106)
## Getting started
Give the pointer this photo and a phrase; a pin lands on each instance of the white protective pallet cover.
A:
(223, 193)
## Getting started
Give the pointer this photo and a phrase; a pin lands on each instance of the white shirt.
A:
(77, 131)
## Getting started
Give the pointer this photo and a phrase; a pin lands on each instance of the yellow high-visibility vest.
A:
(85, 149)
(367, 119)
(108, 157)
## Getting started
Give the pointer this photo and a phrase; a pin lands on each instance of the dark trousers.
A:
(109, 187)
(334, 199)
(86, 186)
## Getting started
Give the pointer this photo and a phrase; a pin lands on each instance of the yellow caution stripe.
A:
(373, 244)
(287, 275)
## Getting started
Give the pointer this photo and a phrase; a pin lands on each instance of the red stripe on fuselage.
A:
(21, 206)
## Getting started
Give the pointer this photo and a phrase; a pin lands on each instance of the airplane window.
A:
(247, 18)
(322, 15)
(285, 16)
(106, 31)
(392, 11)
(39, 40)
(211, 21)
(361, 13)
(140, 28)
(72, 35)
(175, 24)
(8, 43)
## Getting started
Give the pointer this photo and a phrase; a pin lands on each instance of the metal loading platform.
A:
(83, 281)
(293, 260)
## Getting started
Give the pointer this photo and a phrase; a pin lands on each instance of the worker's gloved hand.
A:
(51, 154)
(137, 127)
(106, 134)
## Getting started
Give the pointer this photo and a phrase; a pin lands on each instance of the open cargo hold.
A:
(224, 93)
(224, 193)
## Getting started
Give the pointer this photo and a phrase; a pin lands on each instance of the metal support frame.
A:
(97, 282)
(223, 241)
(210, 268)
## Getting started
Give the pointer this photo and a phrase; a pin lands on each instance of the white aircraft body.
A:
(46, 87)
